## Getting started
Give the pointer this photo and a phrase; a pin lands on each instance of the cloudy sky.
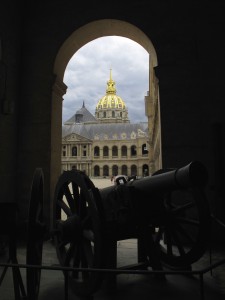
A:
(88, 71)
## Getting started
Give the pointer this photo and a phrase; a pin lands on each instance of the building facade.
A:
(106, 144)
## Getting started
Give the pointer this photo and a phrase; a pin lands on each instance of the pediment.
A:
(73, 137)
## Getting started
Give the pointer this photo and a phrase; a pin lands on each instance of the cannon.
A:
(168, 214)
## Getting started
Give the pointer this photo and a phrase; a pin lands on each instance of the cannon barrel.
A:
(167, 213)
(192, 175)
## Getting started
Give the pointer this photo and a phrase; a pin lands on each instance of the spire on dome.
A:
(111, 108)
(111, 85)
(83, 104)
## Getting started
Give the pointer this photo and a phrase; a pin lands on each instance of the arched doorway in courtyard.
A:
(80, 37)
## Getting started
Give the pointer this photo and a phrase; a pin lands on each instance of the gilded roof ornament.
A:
(111, 85)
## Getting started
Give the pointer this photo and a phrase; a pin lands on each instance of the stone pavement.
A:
(101, 182)
(129, 286)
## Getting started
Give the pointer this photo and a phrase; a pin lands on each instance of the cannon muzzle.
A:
(192, 175)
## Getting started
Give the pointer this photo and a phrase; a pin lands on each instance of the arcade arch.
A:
(80, 37)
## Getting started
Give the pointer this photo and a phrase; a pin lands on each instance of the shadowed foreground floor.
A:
(129, 286)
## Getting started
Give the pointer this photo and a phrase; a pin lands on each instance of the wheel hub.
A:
(70, 230)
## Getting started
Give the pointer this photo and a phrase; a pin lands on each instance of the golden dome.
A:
(111, 108)
(111, 100)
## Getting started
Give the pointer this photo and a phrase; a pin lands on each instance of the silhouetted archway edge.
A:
(80, 37)
(97, 29)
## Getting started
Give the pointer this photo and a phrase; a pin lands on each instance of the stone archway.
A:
(76, 40)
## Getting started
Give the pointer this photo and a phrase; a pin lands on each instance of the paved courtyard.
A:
(101, 182)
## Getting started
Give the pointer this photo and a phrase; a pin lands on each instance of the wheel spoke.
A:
(62, 244)
(86, 222)
(69, 253)
(69, 199)
(76, 195)
(181, 208)
(184, 233)
(158, 235)
(168, 242)
(177, 242)
(64, 207)
(88, 252)
(73, 258)
(89, 235)
(35, 234)
(188, 221)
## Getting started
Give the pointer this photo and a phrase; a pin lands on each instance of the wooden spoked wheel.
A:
(36, 230)
(77, 230)
(184, 231)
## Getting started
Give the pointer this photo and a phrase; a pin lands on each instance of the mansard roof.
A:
(117, 131)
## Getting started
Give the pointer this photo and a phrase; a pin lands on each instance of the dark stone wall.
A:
(188, 37)
(10, 53)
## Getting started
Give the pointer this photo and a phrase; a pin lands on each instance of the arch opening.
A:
(80, 37)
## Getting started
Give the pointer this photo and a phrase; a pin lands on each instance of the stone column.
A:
(58, 90)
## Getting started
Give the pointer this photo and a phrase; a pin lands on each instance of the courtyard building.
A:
(106, 144)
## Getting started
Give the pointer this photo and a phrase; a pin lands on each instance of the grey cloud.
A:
(87, 74)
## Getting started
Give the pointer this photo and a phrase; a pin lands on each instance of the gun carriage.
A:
(167, 213)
